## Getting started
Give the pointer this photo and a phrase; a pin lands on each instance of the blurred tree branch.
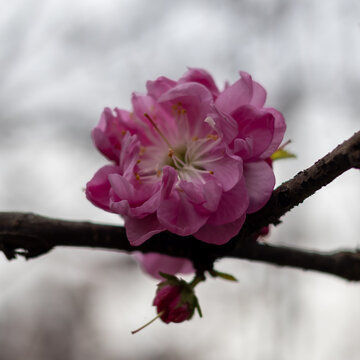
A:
(32, 235)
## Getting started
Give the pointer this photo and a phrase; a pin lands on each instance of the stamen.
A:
(158, 130)
(148, 323)
(286, 143)
(212, 137)
(206, 161)
(207, 148)
(178, 162)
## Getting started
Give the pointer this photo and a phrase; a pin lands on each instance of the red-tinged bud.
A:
(175, 300)
(175, 303)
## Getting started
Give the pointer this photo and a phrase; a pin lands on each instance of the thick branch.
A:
(35, 235)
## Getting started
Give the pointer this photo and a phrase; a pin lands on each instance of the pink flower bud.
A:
(173, 305)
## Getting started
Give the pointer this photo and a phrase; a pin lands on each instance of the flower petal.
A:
(232, 206)
(238, 94)
(225, 125)
(220, 234)
(179, 215)
(227, 170)
(259, 95)
(175, 211)
(279, 130)
(98, 188)
(200, 76)
(129, 154)
(153, 263)
(126, 200)
(196, 99)
(207, 196)
(140, 230)
(256, 126)
(260, 182)
(159, 86)
(107, 136)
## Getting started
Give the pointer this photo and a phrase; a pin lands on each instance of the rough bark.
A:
(33, 235)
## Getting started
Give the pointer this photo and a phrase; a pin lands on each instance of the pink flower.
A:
(189, 158)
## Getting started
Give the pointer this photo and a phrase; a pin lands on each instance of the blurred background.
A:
(62, 62)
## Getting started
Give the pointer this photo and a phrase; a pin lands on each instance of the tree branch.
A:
(33, 235)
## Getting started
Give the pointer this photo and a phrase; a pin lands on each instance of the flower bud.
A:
(170, 305)
(175, 300)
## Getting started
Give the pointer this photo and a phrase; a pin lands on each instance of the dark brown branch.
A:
(345, 263)
(37, 235)
(32, 235)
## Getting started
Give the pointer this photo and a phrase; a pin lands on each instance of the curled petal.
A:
(193, 191)
(259, 95)
(256, 126)
(158, 87)
(226, 171)
(179, 215)
(279, 130)
(201, 76)
(225, 125)
(176, 212)
(243, 147)
(129, 154)
(98, 188)
(140, 230)
(238, 94)
(168, 181)
(108, 135)
(207, 196)
(131, 201)
(260, 182)
(220, 234)
(233, 205)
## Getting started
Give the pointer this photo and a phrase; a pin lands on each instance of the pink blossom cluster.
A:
(188, 158)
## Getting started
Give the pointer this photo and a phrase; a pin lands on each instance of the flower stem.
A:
(197, 279)
(148, 323)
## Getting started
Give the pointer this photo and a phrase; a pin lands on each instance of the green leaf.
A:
(282, 154)
(168, 276)
(197, 306)
(223, 275)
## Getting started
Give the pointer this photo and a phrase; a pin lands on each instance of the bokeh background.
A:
(61, 62)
